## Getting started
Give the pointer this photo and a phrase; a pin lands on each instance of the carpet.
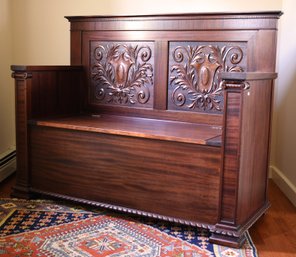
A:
(49, 228)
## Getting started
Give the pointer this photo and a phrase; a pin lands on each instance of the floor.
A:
(274, 234)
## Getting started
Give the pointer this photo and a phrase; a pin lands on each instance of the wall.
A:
(284, 144)
(7, 141)
(7, 138)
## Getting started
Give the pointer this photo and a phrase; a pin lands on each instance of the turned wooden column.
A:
(22, 114)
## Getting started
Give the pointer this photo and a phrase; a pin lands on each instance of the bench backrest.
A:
(168, 66)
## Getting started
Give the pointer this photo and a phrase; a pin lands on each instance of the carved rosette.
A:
(122, 73)
(194, 74)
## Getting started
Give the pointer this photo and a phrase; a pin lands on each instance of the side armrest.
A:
(41, 92)
(248, 98)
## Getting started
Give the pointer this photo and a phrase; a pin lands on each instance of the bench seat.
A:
(184, 132)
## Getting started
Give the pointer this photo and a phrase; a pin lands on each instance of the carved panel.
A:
(194, 67)
(122, 73)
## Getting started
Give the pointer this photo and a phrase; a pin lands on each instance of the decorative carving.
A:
(122, 73)
(194, 74)
(211, 228)
(128, 210)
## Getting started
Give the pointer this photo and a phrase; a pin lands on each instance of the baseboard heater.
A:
(7, 165)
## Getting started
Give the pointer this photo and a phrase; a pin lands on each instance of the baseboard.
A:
(286, 186)
(7, 164)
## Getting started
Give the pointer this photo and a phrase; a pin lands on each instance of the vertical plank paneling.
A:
(231, 156)
(161, 78)
(76, 48)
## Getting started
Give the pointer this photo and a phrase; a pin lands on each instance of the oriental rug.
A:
(49, 228)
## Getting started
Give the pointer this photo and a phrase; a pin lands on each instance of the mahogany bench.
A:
(166, 116)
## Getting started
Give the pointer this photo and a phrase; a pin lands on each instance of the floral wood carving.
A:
(122, 73)
(194, 74)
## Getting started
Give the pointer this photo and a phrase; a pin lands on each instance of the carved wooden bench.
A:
(166, 116)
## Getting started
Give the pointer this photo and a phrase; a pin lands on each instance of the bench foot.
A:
(21, 192)
(231, 241)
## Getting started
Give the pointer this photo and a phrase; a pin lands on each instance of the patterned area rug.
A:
(48, 228)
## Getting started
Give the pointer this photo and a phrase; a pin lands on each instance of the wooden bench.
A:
(166, 116)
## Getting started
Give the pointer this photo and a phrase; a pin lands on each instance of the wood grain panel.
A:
(256, 119)
(167, 178)
(55, 93)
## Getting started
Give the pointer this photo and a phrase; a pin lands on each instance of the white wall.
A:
(7, 138)
(284, 147)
